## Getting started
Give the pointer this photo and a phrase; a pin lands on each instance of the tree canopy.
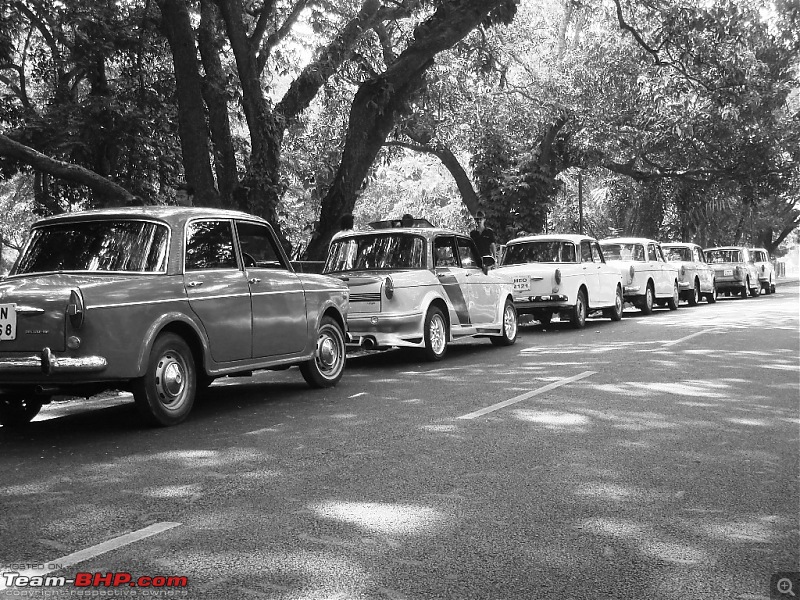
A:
(678, 120)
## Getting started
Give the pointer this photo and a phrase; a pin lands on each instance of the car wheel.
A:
(647, 303)
(16, 411)
(435, 334)
(619, 305)
(325, 368)
(166, 393)
(755, 291)
(772, 288)
(694, 299)
(544, 317)
(711, 297)
(509, 335)
(577, 316)
(672, 303)
(765, 288)
(744, 291)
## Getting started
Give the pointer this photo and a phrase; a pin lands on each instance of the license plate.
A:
(372, 306)
(522, 284)
(728, 272)
(8, 322)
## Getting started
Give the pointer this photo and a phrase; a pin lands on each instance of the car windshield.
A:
(678, 253)
(634, 252)
(376, 252)
(724, 256)
(106, 246)
(551, 251)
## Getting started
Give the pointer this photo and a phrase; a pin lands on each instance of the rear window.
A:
(678, 253)
(724, 256)
(97, 246)
(376, 252)
(541, 251)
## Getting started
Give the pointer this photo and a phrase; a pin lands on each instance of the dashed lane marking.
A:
(526, 395)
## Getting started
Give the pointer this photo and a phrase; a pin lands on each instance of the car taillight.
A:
(75, 310)
(683, 271)
(388, 288)
(558, 276)
(738, 272)
(631, 273)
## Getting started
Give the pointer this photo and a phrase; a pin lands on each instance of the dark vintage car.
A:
(159, 301)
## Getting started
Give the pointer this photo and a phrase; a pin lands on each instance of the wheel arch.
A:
(178, 325)
(442, 306)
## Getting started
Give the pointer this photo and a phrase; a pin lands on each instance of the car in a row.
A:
(160, 301)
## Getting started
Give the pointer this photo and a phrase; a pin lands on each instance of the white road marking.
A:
(97, 550)
(526, 395)
(688, 337)
(359, 394)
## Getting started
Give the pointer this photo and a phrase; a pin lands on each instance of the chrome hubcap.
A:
(170, 379)
(510, 323)
(327, 352)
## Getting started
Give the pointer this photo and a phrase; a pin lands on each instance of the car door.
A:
(590, 273)
(704, 271)
(217, 288)
(608, 277)
(277, 297)
(452, 278)
(483, 291)
(656, 270)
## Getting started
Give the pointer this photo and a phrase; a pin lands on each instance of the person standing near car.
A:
(483, 236)
(184, 195)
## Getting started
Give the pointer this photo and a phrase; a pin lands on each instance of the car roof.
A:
(164, 213)
(628, 240)
(552, 237)
(728, 248)
(680, 245)
(423, 231)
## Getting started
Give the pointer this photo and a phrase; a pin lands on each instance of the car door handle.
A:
(194, 284)
(253, 280)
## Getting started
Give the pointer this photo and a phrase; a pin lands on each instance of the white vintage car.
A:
(647, 276)
(696, 277)
(562, 274)
(420, 287)
(734, 270)
(765, 268)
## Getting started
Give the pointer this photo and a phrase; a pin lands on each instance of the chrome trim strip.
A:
(137, 303)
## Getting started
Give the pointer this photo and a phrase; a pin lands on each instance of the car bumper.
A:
(730, 284)
(685, 285)
(381, 330)
(528, 304)
(48, 363)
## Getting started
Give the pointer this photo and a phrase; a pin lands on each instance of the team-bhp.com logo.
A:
(13, 579)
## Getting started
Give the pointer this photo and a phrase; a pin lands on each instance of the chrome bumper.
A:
(48, 363)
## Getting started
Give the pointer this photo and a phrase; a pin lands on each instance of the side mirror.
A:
(487, 262)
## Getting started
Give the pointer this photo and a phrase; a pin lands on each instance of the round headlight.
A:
(388, 288)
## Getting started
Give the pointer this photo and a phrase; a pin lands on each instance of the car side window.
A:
(660, 254)
(259, 247)
(444, 254)
(468, 253)
(209, 245)
(697, 255)
(597, 254)
(586, 251)
(651, 253)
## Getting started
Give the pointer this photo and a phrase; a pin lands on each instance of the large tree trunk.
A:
(191, 110)
(379, 100)
(216, 97)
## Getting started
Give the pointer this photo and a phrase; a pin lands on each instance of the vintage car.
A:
(765, 268)
(734, 270)
(647, 277)
(420, 287)
(159, 301)
(562, 274)
(695, 277)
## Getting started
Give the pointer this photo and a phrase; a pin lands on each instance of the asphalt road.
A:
(657, 458)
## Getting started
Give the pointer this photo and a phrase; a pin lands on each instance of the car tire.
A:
(435, 335)
(619, 306)
(509, 326)
(672, 303)
(16, 411)
(166, 393)
(577, 314)
(746, 289)
(326, 367)
(772, 287)
(646, 305)
(711, 297)
(755, 291)
(765, 288)
(694, 299)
